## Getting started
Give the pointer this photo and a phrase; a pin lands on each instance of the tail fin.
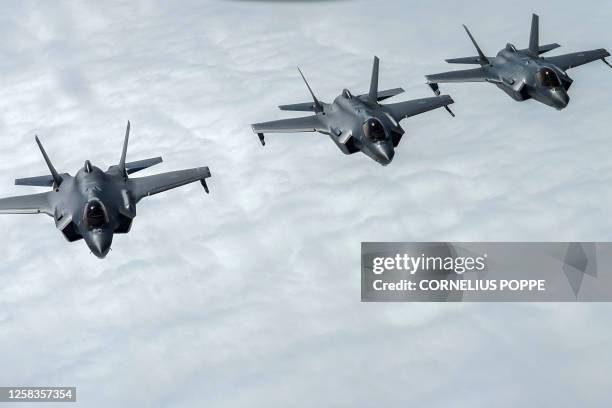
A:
(534, 38)
(373, 94)
(57, 179)
(317, 104)
(124, 152)
(483, 60)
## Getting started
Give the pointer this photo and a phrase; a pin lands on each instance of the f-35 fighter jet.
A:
(356, 123)
(94, 204)
(523, 74)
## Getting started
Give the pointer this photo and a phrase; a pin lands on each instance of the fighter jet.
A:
(356, 123)
(523, 74)
(94, 205)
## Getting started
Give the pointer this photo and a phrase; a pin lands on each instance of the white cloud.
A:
(251, 295)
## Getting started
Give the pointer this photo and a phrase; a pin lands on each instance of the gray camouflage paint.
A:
(523, 74)
(94, 204)
(356, 123)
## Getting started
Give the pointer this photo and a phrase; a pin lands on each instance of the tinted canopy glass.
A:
(548, 78)
(374, 130)
(95, 217)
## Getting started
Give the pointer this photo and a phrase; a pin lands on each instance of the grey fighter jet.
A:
(523, 74)
(356, 123)
(94, 204)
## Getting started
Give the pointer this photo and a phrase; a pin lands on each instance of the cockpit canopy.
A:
(548, 78)
(95, 215)
(347, 94)
(510, 47)
(374, 130)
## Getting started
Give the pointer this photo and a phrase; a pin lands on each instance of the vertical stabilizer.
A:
(124, 152)
(57, 179)
(534, 38)
(373, 94)
(483, 60)
(317, 104)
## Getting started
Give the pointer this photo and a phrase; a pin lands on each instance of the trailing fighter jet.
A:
(356, 123)
(94, 204)
(523, 74)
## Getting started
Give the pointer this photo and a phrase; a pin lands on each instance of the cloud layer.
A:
(250, 296)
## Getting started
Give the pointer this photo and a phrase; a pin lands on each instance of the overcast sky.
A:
(250, 296)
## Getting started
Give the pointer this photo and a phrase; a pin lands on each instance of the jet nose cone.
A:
(560, 99)
(100, 242)
(384, 154)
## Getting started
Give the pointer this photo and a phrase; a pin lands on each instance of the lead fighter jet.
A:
(356, 122)
(523, 74)
(94, 204)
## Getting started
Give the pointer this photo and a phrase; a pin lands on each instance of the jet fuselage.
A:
(94, 205)
(525, 76)
(366, 126)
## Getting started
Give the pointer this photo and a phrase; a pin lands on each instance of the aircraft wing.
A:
(145, 186)
(576, 59)
(465, 75)
(306, 124)
(406, 109)
(27, 204)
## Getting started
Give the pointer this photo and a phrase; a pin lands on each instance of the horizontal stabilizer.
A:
(382, 95)
(40, 181)
(386, 94)
(135, 166)
(548, 47)
(544, 48)
(464, 60)
(299, 107)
